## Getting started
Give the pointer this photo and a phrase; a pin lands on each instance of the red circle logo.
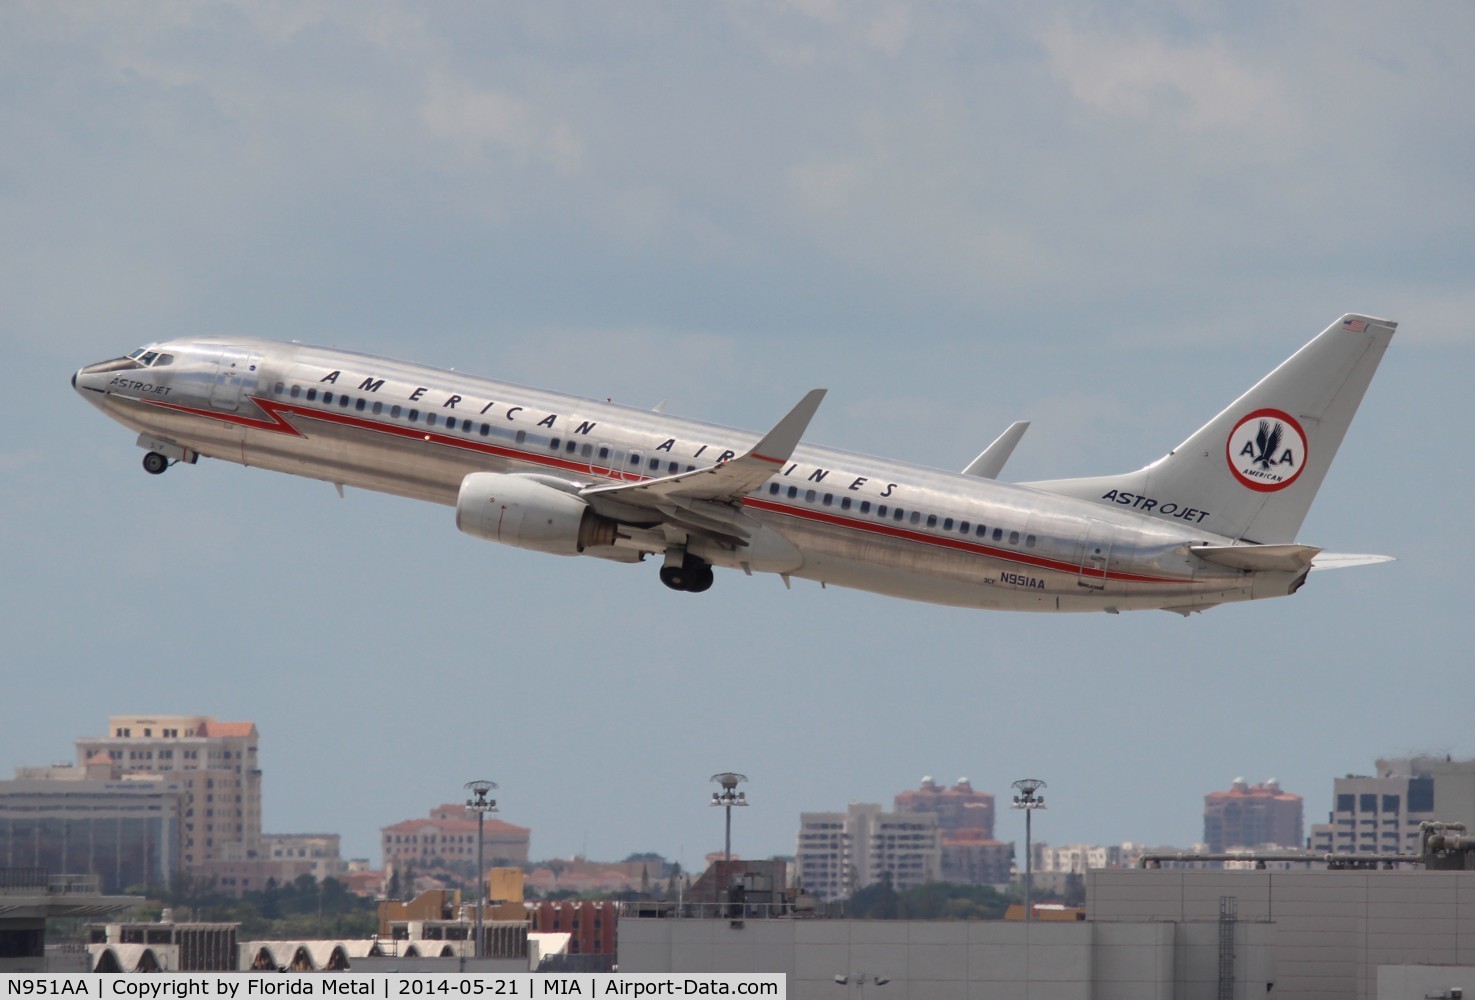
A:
(1266, 450)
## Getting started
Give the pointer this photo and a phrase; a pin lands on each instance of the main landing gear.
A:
(154, 463)
(686, 572)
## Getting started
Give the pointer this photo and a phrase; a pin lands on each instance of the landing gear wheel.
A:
(699, 578)
(154, 463)
(692, 575)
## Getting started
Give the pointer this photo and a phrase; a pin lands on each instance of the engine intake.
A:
(521, 511)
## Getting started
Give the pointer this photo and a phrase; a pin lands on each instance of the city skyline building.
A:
(65, 819)
(969, 854)
(956, 808)
(448, 835)
(839, 853)
(1253, 816)
(215, 763)
(1381, 813)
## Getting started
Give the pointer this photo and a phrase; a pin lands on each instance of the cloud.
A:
(476, 119)
(1198, 86)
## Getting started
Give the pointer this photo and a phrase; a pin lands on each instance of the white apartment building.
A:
(839, 853)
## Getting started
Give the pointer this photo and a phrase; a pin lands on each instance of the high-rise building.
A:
(839, 853)
(1252, 816)
(956, 808)
(965, 821)
(214, 762)
(1380, 814)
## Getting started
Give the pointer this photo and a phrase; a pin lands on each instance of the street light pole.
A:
(481, 805)
(727, 798)
(1029, 802)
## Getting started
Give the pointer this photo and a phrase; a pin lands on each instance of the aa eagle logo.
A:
(1266, 450)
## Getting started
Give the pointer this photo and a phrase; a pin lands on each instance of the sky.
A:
(1107, 219)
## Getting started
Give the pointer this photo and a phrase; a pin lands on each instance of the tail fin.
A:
(1251, 473)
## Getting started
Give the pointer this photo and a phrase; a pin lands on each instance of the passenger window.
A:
(587, 450)
(343, 401)
(312, 395)
(793, 492)
(773, 489)
(880, 510)
(931, 520)
(865, 506)
(328, 398)
(1013, 538)
(963, 527)
(553, 443)
(430, 419)
(378, 407)
(573, 446)
(1029, 541)
(998, 534)
(466, 426)
(655, 465)
(674, 468)
(828, 499)
(844, 503)
(947, 524)
(280, 388)
(486, 429)
(520, 436)
(394, 411)
(360, 405)
(898, 514)
(916, 517)
(634, 459)
(981, 531)
(296, 391)
(603, 452)
(809, 496)
(414, 416)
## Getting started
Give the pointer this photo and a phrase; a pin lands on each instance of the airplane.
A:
(1213, 521)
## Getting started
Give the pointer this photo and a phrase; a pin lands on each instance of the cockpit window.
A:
(150, 359)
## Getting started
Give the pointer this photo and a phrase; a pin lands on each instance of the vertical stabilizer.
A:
(1252, 472)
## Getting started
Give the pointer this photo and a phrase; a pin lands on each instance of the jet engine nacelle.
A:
(521, 511)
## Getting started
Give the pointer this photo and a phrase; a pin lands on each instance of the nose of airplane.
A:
(74, 380)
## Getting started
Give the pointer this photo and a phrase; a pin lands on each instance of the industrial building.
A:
(1153, 933)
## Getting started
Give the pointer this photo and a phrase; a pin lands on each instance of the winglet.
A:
(990, 462)
(778, 444)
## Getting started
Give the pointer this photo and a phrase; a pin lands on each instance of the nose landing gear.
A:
(686, 572)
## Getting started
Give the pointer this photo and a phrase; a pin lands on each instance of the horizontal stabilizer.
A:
(1273, 558)
(991, 461)
(1346, 560)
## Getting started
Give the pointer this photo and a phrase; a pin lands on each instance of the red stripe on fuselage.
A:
(277, 424)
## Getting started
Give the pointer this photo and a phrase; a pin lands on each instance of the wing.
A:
(708, 500)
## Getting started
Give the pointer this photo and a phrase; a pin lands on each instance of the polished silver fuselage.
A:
(826, 515)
